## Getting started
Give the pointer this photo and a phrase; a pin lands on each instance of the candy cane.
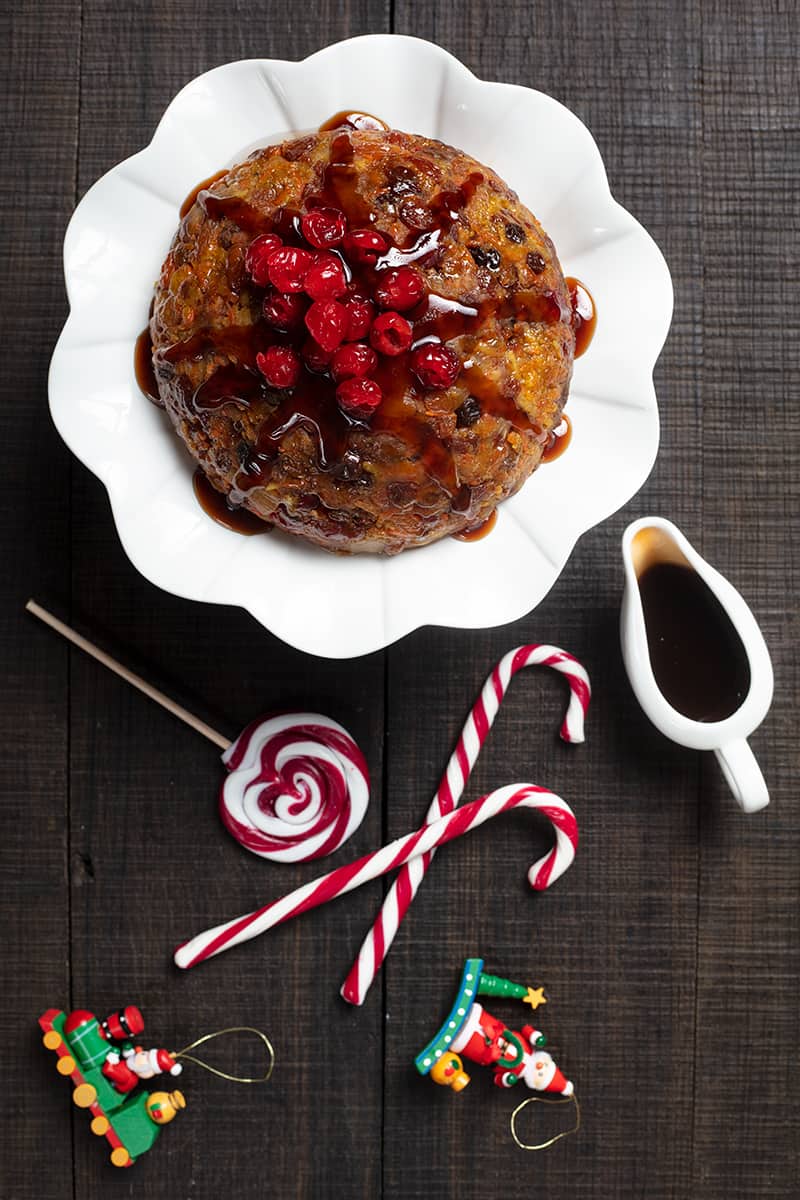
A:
(473, 735)
(344, 879)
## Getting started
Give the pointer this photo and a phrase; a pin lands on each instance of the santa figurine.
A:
(125, 1069)
(486, 1040)
(470, 1032)
(537, 1068)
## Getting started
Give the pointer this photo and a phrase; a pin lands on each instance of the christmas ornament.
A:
(475, 732)
(297, 784)
(344, 879)
(105, 1066)
(513, 1055)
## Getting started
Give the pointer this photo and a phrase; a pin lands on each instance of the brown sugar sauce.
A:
(239, 520)
(143, 367)
(201, 187)
(311, 404)
(584, 314)
(352, 120)
(698, 659)
(478, 531)
(558, 440)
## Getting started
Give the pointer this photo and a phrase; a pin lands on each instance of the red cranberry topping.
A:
(323, 227)
(327, 322)
(258, 252)
(360, 313)
(288, 267)
(365, 246)
(284, 312)
(400, 288)
(353, 361)
(435, 366)
(359, 398)
(315, 358)
(280, 366)
(391, 334)
(326, 279)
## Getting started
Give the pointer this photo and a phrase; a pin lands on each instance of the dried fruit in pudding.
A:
(364, 338)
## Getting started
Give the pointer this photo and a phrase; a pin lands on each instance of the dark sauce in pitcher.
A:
(698, 659)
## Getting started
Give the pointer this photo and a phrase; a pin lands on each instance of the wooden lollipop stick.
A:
(130, 677)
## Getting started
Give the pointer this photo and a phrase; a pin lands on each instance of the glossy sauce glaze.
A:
(558, 440)
(239, 520)
(477, 531)
(352, 120)
(200, 187)
(698, 659)
(143, 367)
(312, 404)
(584, 314)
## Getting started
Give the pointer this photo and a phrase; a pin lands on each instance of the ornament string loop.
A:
(207, 1037)
(556, 1137)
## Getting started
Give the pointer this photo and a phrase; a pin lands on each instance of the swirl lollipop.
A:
(298, 787)
(297, 784)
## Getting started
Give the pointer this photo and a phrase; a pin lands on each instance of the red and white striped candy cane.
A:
(388, 858)
(473, 735)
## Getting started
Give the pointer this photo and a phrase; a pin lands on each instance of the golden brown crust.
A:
(380, 493)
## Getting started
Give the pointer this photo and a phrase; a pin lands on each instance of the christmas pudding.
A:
(363, 338)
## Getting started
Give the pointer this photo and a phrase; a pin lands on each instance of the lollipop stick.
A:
(130, 677)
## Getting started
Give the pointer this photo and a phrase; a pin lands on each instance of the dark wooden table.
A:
(670, 951)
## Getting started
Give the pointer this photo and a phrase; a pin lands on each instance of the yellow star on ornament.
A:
(535, 997)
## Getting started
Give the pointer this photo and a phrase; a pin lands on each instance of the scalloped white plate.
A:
(333, 606)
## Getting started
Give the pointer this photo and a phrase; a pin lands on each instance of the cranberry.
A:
(288, 267)
(360, 313)
(326, 279)
(315, 358)
(258, 252)
(391, 334)
(435, 366)
(280, 366)
(323, 227)
(359, 398)
(326, 321)
(353, 361)
(365, 246)
(400, 288)
(284, 312)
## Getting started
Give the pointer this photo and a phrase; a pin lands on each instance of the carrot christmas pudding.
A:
(363, 338)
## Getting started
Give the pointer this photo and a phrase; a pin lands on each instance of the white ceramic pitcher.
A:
(652, 540)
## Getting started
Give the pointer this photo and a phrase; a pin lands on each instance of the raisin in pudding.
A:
(363, 338)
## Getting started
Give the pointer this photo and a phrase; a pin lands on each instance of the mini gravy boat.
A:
(694, 653)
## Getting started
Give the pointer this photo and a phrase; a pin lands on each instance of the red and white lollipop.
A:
(297, 787)
(297, 783)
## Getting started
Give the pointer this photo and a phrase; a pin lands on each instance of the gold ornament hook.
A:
(207, 1037)
(556, 1137)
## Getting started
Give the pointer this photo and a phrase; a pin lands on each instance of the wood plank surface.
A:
(670, 950)
(39, 101)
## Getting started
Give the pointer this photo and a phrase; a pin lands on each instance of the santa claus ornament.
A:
(513, 1055)
(106, 1063)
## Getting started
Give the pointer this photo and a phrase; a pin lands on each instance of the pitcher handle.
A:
(743, 775)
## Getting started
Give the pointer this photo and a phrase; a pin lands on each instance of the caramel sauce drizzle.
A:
(477, 532)
(238, 520)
